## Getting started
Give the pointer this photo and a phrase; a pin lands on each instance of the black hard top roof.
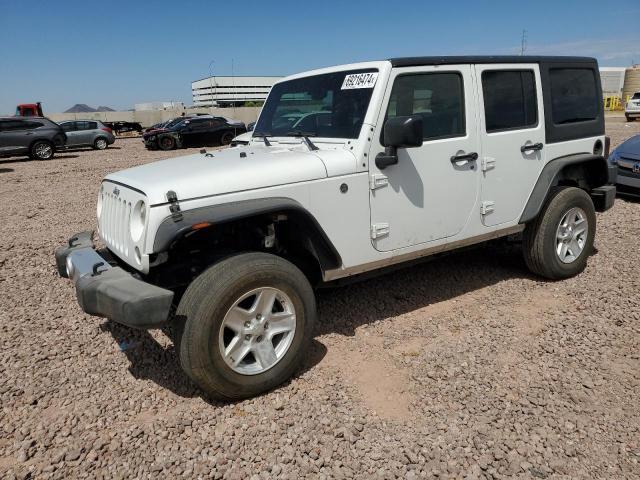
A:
(451, 60)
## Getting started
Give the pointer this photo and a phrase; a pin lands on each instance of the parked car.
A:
(632, 109)
(37, 137)
(416, 156)
(194, 132)
(87, 133)
(626, 158)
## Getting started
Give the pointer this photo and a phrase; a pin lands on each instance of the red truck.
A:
(29, 110)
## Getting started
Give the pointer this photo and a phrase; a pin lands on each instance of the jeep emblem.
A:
(636, 167)
(116, 192)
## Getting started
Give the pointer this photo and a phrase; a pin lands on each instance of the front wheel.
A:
(244, 324)
(166, 143)
(558, 242)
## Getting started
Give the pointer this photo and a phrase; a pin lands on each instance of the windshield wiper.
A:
(263, 135)
(305, 136)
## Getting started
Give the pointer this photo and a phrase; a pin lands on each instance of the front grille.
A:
(114, 222)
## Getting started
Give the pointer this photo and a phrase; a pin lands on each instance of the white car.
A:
(412, 157)
(632, 109)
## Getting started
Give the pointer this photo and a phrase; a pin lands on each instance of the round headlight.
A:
(138, 220)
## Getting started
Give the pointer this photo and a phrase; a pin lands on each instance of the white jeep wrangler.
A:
(350, 169)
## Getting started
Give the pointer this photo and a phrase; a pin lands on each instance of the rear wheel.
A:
(100, 143)
(166, 143)
(558, 243)
(42, 150)
(242, 326)
(629, 119)
(226, 138)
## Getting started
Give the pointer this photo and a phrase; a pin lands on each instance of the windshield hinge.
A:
(378, 180)
(174, 206)
(486, 207)
(488, 163)
(379, 230)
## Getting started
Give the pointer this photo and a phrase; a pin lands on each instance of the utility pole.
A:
(523, 43)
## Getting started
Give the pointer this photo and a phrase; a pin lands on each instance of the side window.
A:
(82, 125)
(12, 125)
(510, 101)
(437, 97)
(68, 126)
(30, 125)
(92, 126)
(574, 95)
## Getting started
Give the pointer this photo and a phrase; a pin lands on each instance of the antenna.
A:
(523, 42)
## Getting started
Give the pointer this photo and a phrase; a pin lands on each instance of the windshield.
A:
(174, 122)
(331, 105)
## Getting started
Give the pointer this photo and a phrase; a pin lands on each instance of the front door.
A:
(512, 125)
(73, 134)
(431, 192)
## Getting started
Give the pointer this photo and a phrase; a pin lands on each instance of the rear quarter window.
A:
(574, 95)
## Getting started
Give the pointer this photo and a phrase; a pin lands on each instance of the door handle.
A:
(464, 157)
(533, 146)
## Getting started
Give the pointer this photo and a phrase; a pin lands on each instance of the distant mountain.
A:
(80, 108)
(102, 108)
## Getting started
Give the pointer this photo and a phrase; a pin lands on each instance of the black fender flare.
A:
(173, 229)
(552, 174)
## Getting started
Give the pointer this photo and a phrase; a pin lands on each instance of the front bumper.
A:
(109, 291)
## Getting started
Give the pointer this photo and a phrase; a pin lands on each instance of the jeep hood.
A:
(227, 171)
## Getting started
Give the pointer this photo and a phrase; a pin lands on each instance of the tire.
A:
(226, 138)
(546, 241)
(166, 143)
(630, 119)
(42, 150)
(100, 143)
(213, 301)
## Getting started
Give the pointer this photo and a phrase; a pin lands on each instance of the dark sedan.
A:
(194, 132)
(627, 158)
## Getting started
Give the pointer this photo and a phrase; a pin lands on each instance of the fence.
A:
(614, 102)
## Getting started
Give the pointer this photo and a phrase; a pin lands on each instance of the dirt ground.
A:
(464, 367)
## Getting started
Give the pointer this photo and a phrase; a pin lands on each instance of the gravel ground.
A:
(464, 367)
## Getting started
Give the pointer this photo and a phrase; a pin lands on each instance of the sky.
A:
(119, 53)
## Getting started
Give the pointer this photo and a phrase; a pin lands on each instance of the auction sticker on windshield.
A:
(360, 80)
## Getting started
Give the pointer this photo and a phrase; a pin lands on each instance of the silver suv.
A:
(37, 137)
(87, 133)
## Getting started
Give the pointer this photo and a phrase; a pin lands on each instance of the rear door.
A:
(513, 135)
(85, 132)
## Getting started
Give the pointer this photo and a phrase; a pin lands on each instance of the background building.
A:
(612, 79)
(227, 91)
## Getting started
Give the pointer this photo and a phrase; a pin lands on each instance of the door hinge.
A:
(379, 230)
(378, 180)
(488, 163)
(174, 206)
(486, 207)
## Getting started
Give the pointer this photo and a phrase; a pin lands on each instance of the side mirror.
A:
(399, 132)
